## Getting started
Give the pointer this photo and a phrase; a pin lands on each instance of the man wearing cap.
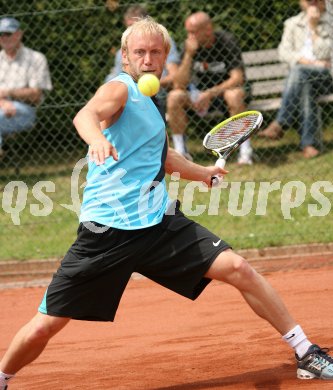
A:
(24, 74)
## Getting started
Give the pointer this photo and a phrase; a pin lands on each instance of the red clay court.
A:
(161, 341)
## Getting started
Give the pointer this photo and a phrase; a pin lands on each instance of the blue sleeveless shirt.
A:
(130, 193)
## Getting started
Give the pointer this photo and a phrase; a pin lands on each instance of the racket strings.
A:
(231, 132)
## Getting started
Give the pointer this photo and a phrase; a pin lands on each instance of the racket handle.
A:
(217, 179)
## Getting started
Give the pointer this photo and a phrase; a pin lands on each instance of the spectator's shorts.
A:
(95, 271)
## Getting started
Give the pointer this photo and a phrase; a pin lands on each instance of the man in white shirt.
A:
(24, 75)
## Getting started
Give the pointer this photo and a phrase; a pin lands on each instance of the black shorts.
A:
(95, 271)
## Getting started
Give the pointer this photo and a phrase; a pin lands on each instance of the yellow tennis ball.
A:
(149, 84)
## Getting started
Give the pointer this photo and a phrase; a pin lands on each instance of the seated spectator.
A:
(306, 46)
(210, 78)
(24, 74)
(132, 14)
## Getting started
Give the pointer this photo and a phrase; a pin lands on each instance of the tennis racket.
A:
(227, 136)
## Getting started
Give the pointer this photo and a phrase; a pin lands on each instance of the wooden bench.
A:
(267, 76)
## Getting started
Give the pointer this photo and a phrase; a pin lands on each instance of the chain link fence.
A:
(80, 39)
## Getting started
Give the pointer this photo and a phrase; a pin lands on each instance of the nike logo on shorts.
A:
(217, 243)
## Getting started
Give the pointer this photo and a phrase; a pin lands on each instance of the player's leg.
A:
(177, 104)
(184, 271)
(258, 293)
(30, 342)
(312, 361)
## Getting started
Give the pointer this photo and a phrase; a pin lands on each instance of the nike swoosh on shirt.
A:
(135, 100)
(216, 243)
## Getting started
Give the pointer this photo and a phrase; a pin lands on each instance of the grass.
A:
(294, 178)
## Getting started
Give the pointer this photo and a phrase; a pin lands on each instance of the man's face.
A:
(320, 4)
(10, 41)
(129, 21)
(200, 32)
(144, 54)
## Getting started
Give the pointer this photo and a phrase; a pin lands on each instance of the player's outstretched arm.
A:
(189, 170)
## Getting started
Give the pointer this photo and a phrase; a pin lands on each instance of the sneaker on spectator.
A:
(244, 160)
(245, 153)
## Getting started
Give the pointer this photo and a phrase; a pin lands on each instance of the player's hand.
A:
(213, 171)
(100, 150)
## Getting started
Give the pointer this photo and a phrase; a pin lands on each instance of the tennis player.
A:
(129, 224)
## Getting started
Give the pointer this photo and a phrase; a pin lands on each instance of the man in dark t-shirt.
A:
(210, 77)
(212, 65)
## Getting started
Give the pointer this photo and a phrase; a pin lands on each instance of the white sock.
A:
(297, 339)
(4, 378)
(179, 143)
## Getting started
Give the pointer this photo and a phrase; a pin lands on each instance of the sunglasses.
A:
(6, 34)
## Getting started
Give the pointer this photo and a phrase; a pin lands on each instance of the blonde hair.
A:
(146, 26)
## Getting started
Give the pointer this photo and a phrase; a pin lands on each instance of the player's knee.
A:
(41, 329)
(240, 265)
(39, 333)
(241, 271)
